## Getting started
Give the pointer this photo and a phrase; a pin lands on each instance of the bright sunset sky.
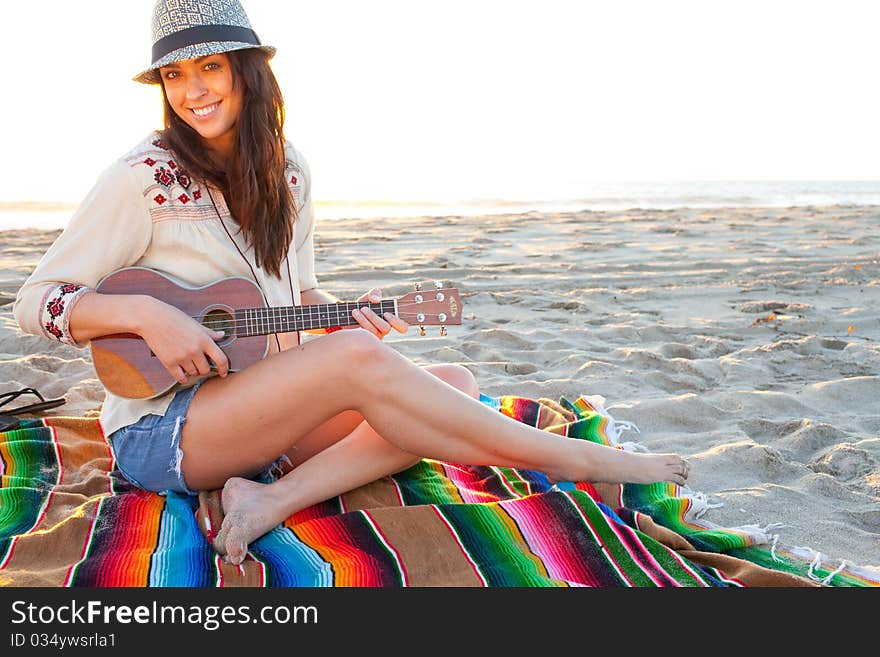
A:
(410, 99)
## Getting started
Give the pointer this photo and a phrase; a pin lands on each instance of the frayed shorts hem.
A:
(148, 452)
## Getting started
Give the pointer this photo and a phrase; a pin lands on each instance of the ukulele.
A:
(128, 368)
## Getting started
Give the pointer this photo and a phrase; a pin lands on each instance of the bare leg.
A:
(328, 461)
(337, 428)
(416, 412)
(250, 507)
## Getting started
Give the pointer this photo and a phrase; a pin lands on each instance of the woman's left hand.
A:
(378, 326)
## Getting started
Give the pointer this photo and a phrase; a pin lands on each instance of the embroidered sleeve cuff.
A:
(55, 312)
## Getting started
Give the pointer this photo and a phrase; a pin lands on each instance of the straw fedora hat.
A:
(184, 29)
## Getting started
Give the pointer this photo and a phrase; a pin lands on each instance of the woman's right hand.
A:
(183, 346)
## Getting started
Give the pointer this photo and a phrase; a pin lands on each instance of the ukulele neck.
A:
(285, 319)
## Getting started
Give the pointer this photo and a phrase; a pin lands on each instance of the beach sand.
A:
(747, 340)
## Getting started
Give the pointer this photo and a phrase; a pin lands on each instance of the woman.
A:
(220, 192)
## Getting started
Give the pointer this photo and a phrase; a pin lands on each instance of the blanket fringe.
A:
(760, 535)
(699, 503)
(773, 549)
(614, 428)
(816, 563)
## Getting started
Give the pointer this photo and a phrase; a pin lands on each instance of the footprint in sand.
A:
(505, 339)
(673, 384)
(790, 307)
(819, 484)
(809, 438)
(869, 519)
(761, 461)
(520, 368)
(831, 343)
(678, 350)
(566, 305)
(800, 439)
(845, 462)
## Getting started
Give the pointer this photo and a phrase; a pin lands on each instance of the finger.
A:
(399, 325)
(375, 294)
(364, 322)
(177, 373)
(383, 326)
(214, 357)
(203, 367)
(221, 362)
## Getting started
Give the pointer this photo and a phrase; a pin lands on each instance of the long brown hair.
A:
(253, 180)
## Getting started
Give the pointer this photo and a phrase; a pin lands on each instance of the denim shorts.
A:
(148, 452)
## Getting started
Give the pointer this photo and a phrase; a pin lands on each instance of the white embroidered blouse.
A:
(146, 211)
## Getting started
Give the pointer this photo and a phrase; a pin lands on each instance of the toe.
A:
(236, 547)
(220, 543)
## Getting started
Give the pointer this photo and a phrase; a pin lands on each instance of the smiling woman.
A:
(221, 193)
(225, 140)
(202, 93)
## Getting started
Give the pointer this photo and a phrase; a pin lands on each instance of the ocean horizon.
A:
(54, 215)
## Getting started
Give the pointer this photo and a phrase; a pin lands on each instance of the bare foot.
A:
(616, 466)
(650, 468)
(249, 512)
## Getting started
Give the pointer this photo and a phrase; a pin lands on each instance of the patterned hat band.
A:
(203, 34)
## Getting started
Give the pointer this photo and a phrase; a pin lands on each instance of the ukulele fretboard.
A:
(262, 321)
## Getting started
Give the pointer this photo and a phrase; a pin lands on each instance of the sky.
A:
(403, 100)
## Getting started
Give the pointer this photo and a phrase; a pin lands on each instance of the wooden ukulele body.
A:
(126, 365)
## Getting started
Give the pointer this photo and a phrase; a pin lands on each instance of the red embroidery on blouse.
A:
(159, 199)
(197, 194)
(54, 330)
(293, 180)
(183, 179)
(55, 308)
(149, 161)
(163, 176)
(183, 198)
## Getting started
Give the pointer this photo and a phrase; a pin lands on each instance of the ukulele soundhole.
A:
(220, 319)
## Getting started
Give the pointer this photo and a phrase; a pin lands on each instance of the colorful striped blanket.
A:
(67, 518)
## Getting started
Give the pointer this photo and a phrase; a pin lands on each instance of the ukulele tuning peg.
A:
(438, 285)
(421, 330)
(418, 286)
(442, 330)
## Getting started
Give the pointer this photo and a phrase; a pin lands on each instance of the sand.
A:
(747, 340)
